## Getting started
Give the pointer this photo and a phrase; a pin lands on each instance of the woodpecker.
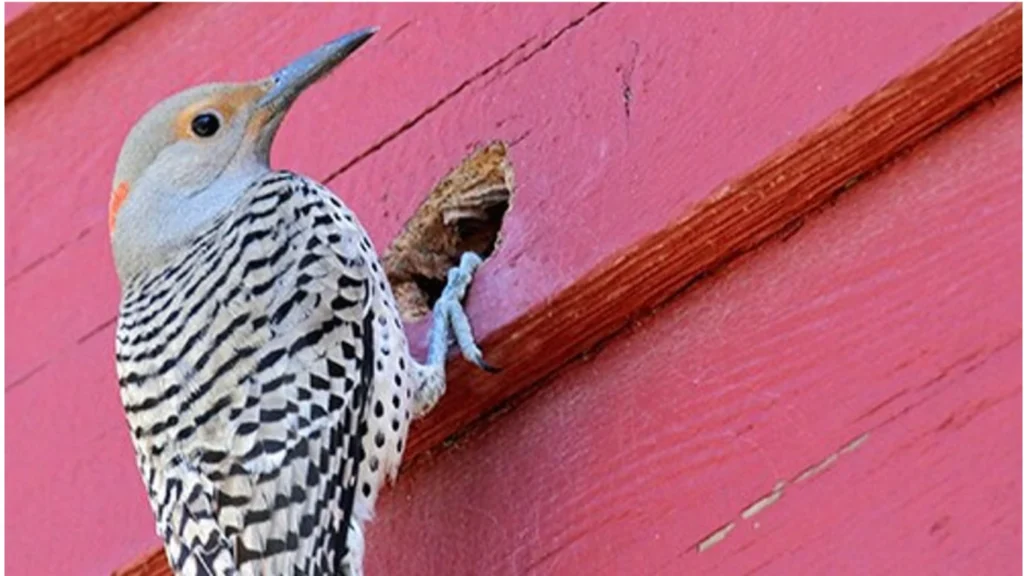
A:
(262, 364)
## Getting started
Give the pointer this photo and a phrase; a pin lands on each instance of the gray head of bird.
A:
(190, 157)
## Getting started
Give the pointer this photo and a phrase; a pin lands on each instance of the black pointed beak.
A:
(290, 81)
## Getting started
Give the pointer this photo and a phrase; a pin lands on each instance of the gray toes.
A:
(470, 261)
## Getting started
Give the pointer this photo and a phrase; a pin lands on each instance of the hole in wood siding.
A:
(463, 213)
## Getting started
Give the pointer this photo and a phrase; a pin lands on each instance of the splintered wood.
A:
(463, 213)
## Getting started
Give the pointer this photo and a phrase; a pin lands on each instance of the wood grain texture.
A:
(734, 218)
(847, 399)
(621, 120)
(42, 37)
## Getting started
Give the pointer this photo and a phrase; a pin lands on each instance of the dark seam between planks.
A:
(409, 124)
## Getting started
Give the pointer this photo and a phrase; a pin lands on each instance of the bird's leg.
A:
(449, 320)
(450, 317)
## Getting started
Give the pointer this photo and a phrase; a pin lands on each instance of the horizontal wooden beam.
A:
(767, 201)
(777, 418)
(739, 215)
(48, 35)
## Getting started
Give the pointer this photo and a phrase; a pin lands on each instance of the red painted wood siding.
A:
(14, 9)
(879, 346)
(713, 89)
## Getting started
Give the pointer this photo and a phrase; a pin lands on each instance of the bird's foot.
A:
(455, 291)
(450, 320)
(450, 317)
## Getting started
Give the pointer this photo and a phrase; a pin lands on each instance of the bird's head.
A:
(188, 158)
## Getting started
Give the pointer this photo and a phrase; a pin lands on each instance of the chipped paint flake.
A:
(854, 444)
(831, 459)
(756, 508)
(715, 537)
(771, 498)
(818, 468)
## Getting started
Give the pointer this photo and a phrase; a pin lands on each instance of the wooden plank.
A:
(14, 9)
(453, 76)
(733, 218)
(846, 399)
(40, 38)
(805, 174)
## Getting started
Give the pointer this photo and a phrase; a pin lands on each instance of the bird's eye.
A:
(205, 125)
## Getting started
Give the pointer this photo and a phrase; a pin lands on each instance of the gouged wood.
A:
(751, 209)
(50, 34)
(432, 240)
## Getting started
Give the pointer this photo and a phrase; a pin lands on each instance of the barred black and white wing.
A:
(264, 374)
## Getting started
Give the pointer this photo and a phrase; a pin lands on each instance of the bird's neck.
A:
(157, 224)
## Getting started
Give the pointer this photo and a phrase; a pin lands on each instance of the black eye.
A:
(205, 125)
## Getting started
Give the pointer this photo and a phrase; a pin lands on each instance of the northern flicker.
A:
(263, 367)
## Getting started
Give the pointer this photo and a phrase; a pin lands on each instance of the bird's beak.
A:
(287, 83)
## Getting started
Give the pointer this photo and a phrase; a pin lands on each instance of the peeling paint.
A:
(771, 498)
(756, 508)
(715, 537)
(831, 459)
(854, 444)
(818, 468)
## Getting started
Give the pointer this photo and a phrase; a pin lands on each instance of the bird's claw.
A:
(459, 279)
